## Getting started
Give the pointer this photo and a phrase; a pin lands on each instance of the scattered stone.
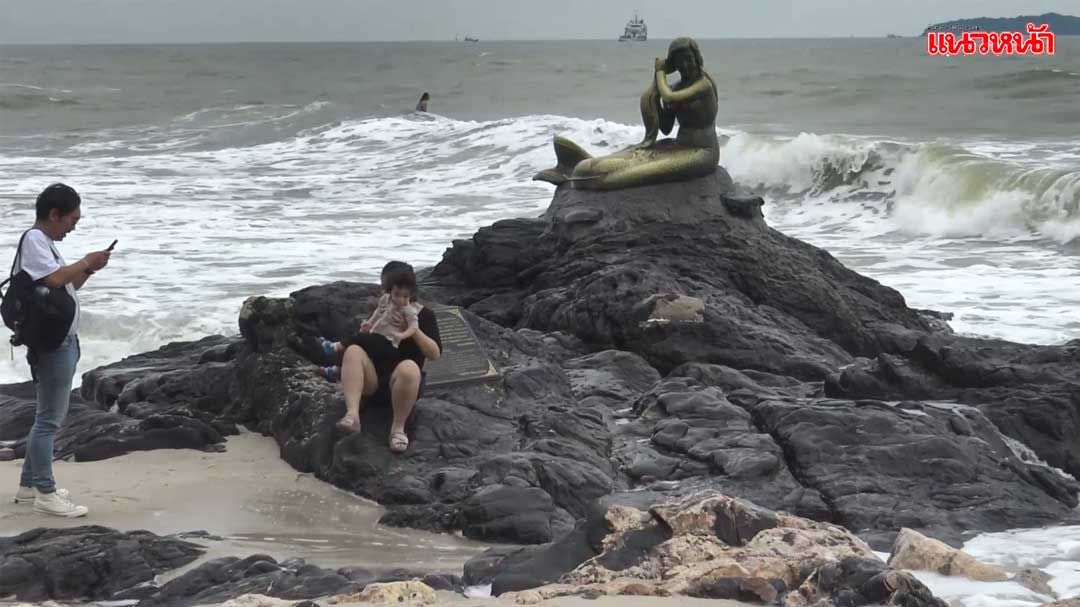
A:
(915, 551)
(410, 592)
(1035, 579)
(676, 308)
(258, 600)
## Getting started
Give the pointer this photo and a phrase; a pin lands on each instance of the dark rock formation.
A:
(90, 434)
(187, 379)
(85, 563)
(596, 263)
(226, 578)
(1031, 393)
(95, 563)
(661, 339)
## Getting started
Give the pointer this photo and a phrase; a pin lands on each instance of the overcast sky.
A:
(122, 21)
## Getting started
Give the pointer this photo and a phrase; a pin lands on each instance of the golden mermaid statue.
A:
(695, 151)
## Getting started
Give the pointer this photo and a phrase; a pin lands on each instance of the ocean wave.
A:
(946, 188)
(929, 188)
(272, 205)
(1040, 76)
(14, 96)
(218, 127)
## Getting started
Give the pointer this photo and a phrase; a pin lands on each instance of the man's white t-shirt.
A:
(39, 257)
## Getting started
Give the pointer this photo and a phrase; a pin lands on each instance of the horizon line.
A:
(433, 40)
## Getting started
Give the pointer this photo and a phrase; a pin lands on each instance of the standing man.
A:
(57, 213)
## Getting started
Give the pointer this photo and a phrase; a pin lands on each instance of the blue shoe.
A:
(331, 374)
(328, 347)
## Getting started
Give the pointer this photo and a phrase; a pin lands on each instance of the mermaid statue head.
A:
(684, 57)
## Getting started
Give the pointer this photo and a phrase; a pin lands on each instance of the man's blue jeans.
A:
(54, 372)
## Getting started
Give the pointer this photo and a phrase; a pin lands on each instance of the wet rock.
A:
(770, 302)
(1030, 393)
(1035, 579)
(913, 550)
(227, 578)
(748, 207)
(90, 434)
(496, 512)
(85, 563)
(198, 375)
(881, 467)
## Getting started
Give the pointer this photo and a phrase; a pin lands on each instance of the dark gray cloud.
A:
(122, 21)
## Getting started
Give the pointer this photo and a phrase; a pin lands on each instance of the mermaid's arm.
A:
(695, 90)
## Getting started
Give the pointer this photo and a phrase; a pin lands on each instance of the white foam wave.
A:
(202, 229)
(994, 189)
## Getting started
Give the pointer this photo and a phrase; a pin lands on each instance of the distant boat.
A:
(636, 30)
(471, 39)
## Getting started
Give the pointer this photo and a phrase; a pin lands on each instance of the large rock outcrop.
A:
(597, 263)
(1032, 393)
(662, 340)
(90, 433)
(86, 563)
(100, 564)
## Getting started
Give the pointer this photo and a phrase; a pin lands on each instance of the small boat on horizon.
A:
(636, 30)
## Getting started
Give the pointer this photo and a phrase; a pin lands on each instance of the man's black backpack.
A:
(39, 317)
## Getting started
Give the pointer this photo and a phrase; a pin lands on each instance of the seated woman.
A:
(386, 372)
(695, 151)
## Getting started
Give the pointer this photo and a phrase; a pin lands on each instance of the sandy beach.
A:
(248, 496)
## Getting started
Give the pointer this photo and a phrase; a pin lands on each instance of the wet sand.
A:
(248, 496)
(258, 504)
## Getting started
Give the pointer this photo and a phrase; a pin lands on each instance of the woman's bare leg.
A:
(404, 391)
(358, 379)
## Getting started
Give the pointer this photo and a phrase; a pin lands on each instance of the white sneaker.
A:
(27, 495)
(52, 503)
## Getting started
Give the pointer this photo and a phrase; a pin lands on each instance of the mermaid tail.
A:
(650, 115)
(567, 156)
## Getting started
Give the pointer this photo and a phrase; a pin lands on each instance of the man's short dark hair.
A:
(58, 196)
(401, 277)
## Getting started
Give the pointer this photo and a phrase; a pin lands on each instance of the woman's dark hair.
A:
(424, 97)
(58, 196)
(398, 274)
